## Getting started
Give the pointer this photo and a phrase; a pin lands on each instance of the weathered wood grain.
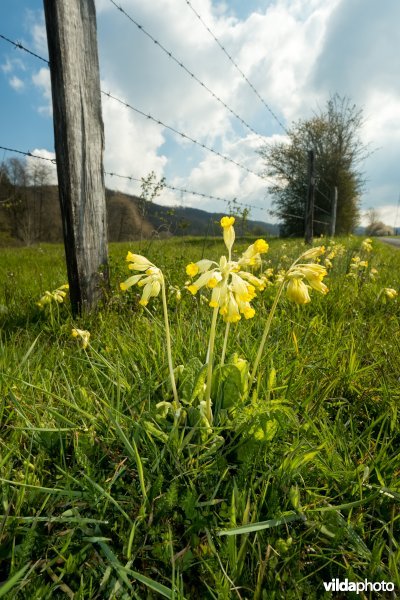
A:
(79, 145)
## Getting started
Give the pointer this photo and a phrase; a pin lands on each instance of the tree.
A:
(376, 227)
(22, 194)
(334, 136)
(20, 203)
(39, 176)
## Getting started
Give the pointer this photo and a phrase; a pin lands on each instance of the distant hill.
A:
(34, 216)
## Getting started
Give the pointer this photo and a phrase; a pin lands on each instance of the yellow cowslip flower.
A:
(366, 245)
(313, 252)
(151, 286)
(124, 285)
(251, 257)
(151, 280)
(57, 295)
(328, 263)
(230, 309)
(314, 275)
(193, 269)
(373, 273)
(227, 222)
(82, 335)
(46, 299)
(228, 231)
(297, 291)
(390, 293)
(138, 262)
(232, 288)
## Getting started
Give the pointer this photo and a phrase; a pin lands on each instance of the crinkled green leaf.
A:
(188, 379)
(227, 388)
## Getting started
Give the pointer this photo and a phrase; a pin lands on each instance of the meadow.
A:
(295, 481)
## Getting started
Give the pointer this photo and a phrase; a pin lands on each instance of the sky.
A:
(295, 53)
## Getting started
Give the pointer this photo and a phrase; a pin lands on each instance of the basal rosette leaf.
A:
(188, 376)
(227, 389)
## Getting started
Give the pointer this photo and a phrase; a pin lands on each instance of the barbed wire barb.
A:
(21, 47)
(52, 160)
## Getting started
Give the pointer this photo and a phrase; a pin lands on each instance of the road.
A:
(392, 241)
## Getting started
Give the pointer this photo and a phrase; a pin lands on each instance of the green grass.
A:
(100, 498)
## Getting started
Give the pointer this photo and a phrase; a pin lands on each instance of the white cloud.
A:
(40, 38)
(158, 86)
(291, 50)
(16, 83)
(41, 79)
(131, 146)
(12, 65)
(387, 213)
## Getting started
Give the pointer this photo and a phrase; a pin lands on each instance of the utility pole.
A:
(309, 215)
(334, 211)
(79, 145)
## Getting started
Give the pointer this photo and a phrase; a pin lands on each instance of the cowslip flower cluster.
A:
(373, 273)
(57, 295)
(232, 287)
(357, 266)
(333, 250)
(302, 277)
(390, 293)
(366, 245)
(82, 336)
(150, 279)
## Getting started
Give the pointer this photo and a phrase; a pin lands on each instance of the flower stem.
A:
(268, 323)
(210, 364)
(225, 343)
(169, 350)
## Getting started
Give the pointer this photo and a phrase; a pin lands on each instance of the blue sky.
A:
(296, 53)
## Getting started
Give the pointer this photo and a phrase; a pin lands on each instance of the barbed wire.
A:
(174, 188)
(183, 135)
(188, 71)
(52, 160)
(186, 191)
(280, 214)
(21, 47)
(180, 133)
(238, 68)
(131, 178)
(159, 122)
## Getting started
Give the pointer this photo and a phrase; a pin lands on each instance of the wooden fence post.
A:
(309, 214)
(79, 145)
(334, 211)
